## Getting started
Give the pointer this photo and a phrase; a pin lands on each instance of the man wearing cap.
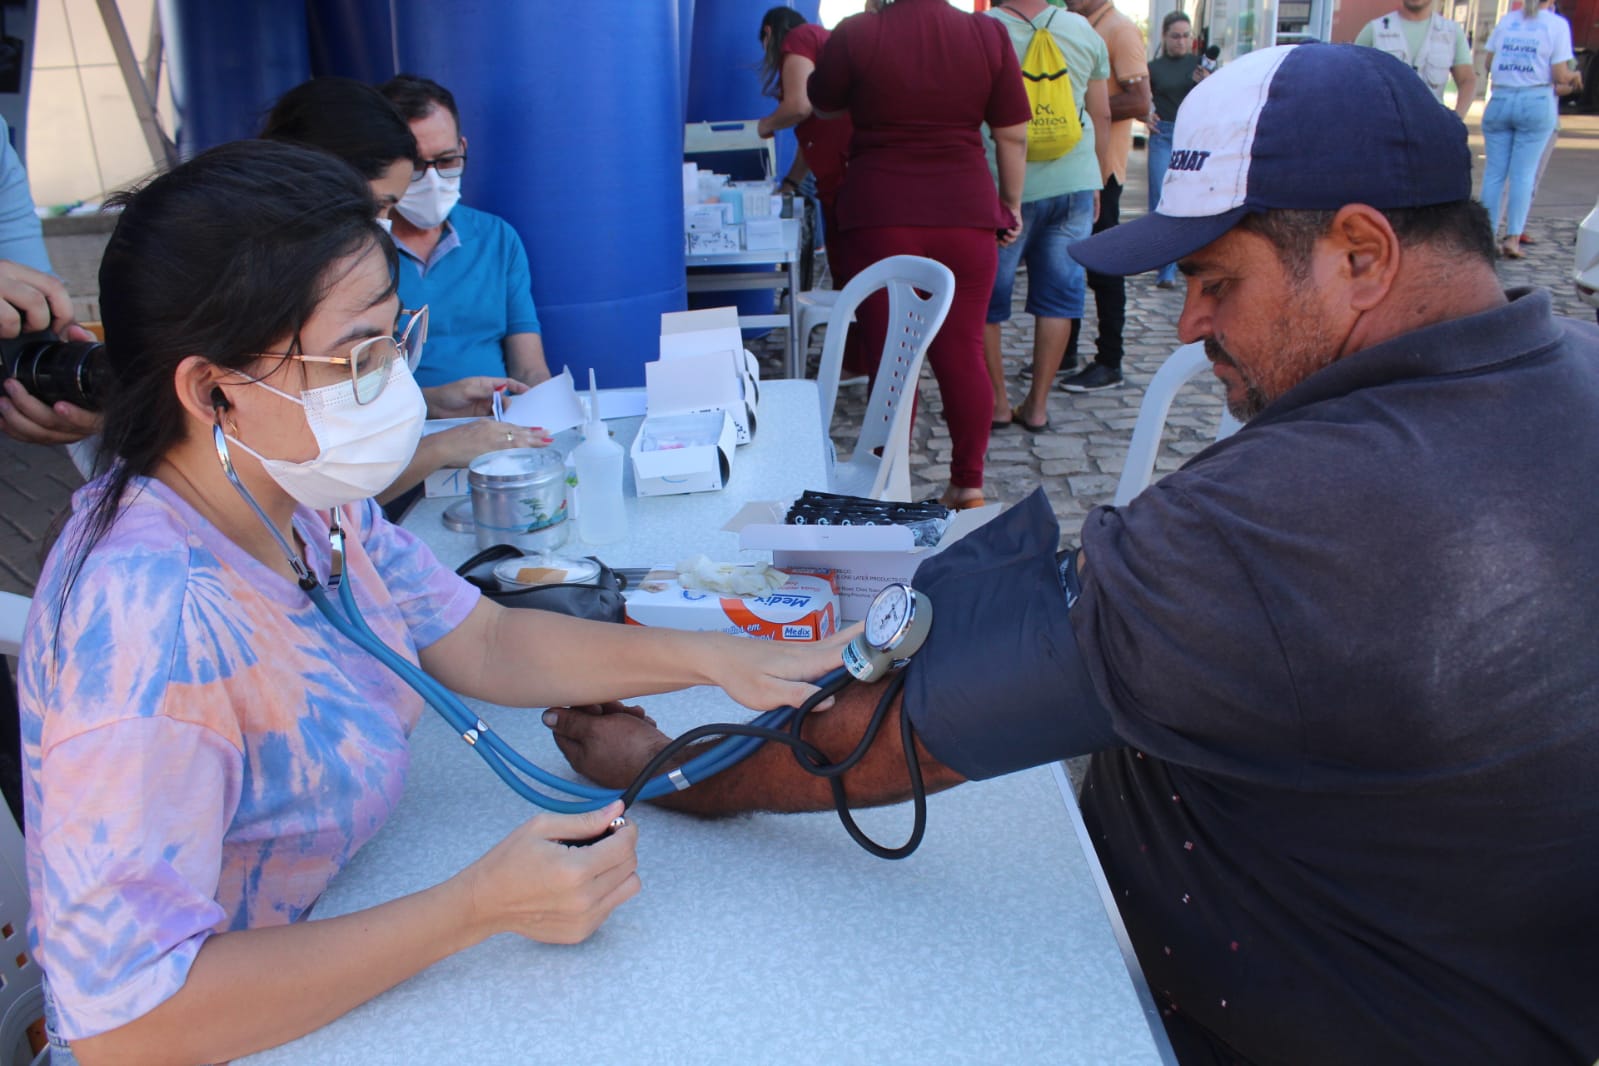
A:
(1339, 672)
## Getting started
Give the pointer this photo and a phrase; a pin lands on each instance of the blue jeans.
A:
(1159, 152)
(1056, 283)
(1515, 128)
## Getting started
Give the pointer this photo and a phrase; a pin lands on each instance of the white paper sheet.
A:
(551, 405)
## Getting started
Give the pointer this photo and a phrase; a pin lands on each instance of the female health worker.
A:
(203, 750)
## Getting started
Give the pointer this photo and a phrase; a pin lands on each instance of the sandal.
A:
(1016, 419)
(967, 504)
(1510, 251)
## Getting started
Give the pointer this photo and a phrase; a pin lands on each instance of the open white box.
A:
(714, 330)
(863, 558)
(687, 440)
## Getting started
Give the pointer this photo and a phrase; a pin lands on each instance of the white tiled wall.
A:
(84, 138)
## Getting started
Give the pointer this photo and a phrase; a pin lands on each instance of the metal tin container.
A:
(519, 497)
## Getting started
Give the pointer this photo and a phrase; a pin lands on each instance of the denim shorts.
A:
(1055, 281)
(60, 1051)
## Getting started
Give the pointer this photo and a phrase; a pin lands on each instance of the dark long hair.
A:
(779, 20)
(226, 256)
(345, 117)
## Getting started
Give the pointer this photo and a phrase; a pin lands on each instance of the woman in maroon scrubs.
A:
(919, 79)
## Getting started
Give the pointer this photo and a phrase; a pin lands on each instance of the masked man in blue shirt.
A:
(467, 266)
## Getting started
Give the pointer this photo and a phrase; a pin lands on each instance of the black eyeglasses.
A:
(449, 165)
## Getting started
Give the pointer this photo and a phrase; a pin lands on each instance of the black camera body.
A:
(54, 370)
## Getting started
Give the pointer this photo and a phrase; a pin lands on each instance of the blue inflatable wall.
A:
(576, 140)
(685, 48)
(229, 62)
(725, 83)
(725, 65)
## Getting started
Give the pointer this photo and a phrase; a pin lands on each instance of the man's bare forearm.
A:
(771, 779)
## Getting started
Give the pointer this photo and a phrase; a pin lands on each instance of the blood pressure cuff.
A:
(1000, 683)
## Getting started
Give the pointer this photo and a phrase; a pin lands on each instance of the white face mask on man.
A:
(430, 199)
(361, 448)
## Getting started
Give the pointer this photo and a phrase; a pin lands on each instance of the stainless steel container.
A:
(519, 497)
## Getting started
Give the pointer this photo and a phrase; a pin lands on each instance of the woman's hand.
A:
(1152, 122)
(763, 674)
(459, 445)
(1014, 232)
(469, 397)
(534, 885)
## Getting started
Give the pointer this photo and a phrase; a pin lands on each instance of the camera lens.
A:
(52, 369)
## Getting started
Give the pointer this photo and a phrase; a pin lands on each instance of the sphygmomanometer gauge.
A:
(896, 624)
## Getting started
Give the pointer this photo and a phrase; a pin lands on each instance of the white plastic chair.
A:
(21, 980)
(13, 613)
(816, 312)
(879, 464)
(1179, 368)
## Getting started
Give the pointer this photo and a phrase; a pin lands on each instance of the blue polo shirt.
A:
(478, 291)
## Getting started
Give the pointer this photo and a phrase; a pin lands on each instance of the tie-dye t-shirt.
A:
(203, 752)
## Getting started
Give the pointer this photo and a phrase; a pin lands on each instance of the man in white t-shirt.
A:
(1431, 45)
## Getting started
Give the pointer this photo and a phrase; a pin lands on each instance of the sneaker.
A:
(1067, 366)
(1095, 377)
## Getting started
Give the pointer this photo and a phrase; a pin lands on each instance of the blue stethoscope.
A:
(897, 623)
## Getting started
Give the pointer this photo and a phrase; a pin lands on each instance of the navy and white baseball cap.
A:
(1302, 127)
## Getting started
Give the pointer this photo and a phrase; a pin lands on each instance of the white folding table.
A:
(766, 939)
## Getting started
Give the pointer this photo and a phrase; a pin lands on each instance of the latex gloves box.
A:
(687, 440)
(806, 608)
(447, 480)
(714, 331)
(862, 558)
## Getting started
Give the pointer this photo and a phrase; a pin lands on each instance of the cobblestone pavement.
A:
(1077, 460)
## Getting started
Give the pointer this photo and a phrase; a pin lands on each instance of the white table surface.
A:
(758, 939)
(785, 458)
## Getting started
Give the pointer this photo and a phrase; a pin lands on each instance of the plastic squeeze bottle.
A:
(601, 518)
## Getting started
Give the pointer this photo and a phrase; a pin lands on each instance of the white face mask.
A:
(387, 224)
(428, 202)
(361, 448)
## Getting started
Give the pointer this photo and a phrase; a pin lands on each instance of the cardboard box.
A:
(715, 331)
(763, 234)
(446, 481)
(714, 242)
(708, 218)
(806, 608)
(682, 452)
(863, 558)
(449, 480)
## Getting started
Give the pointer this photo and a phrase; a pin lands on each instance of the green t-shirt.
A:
(1171, 78)
(1086, 60)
